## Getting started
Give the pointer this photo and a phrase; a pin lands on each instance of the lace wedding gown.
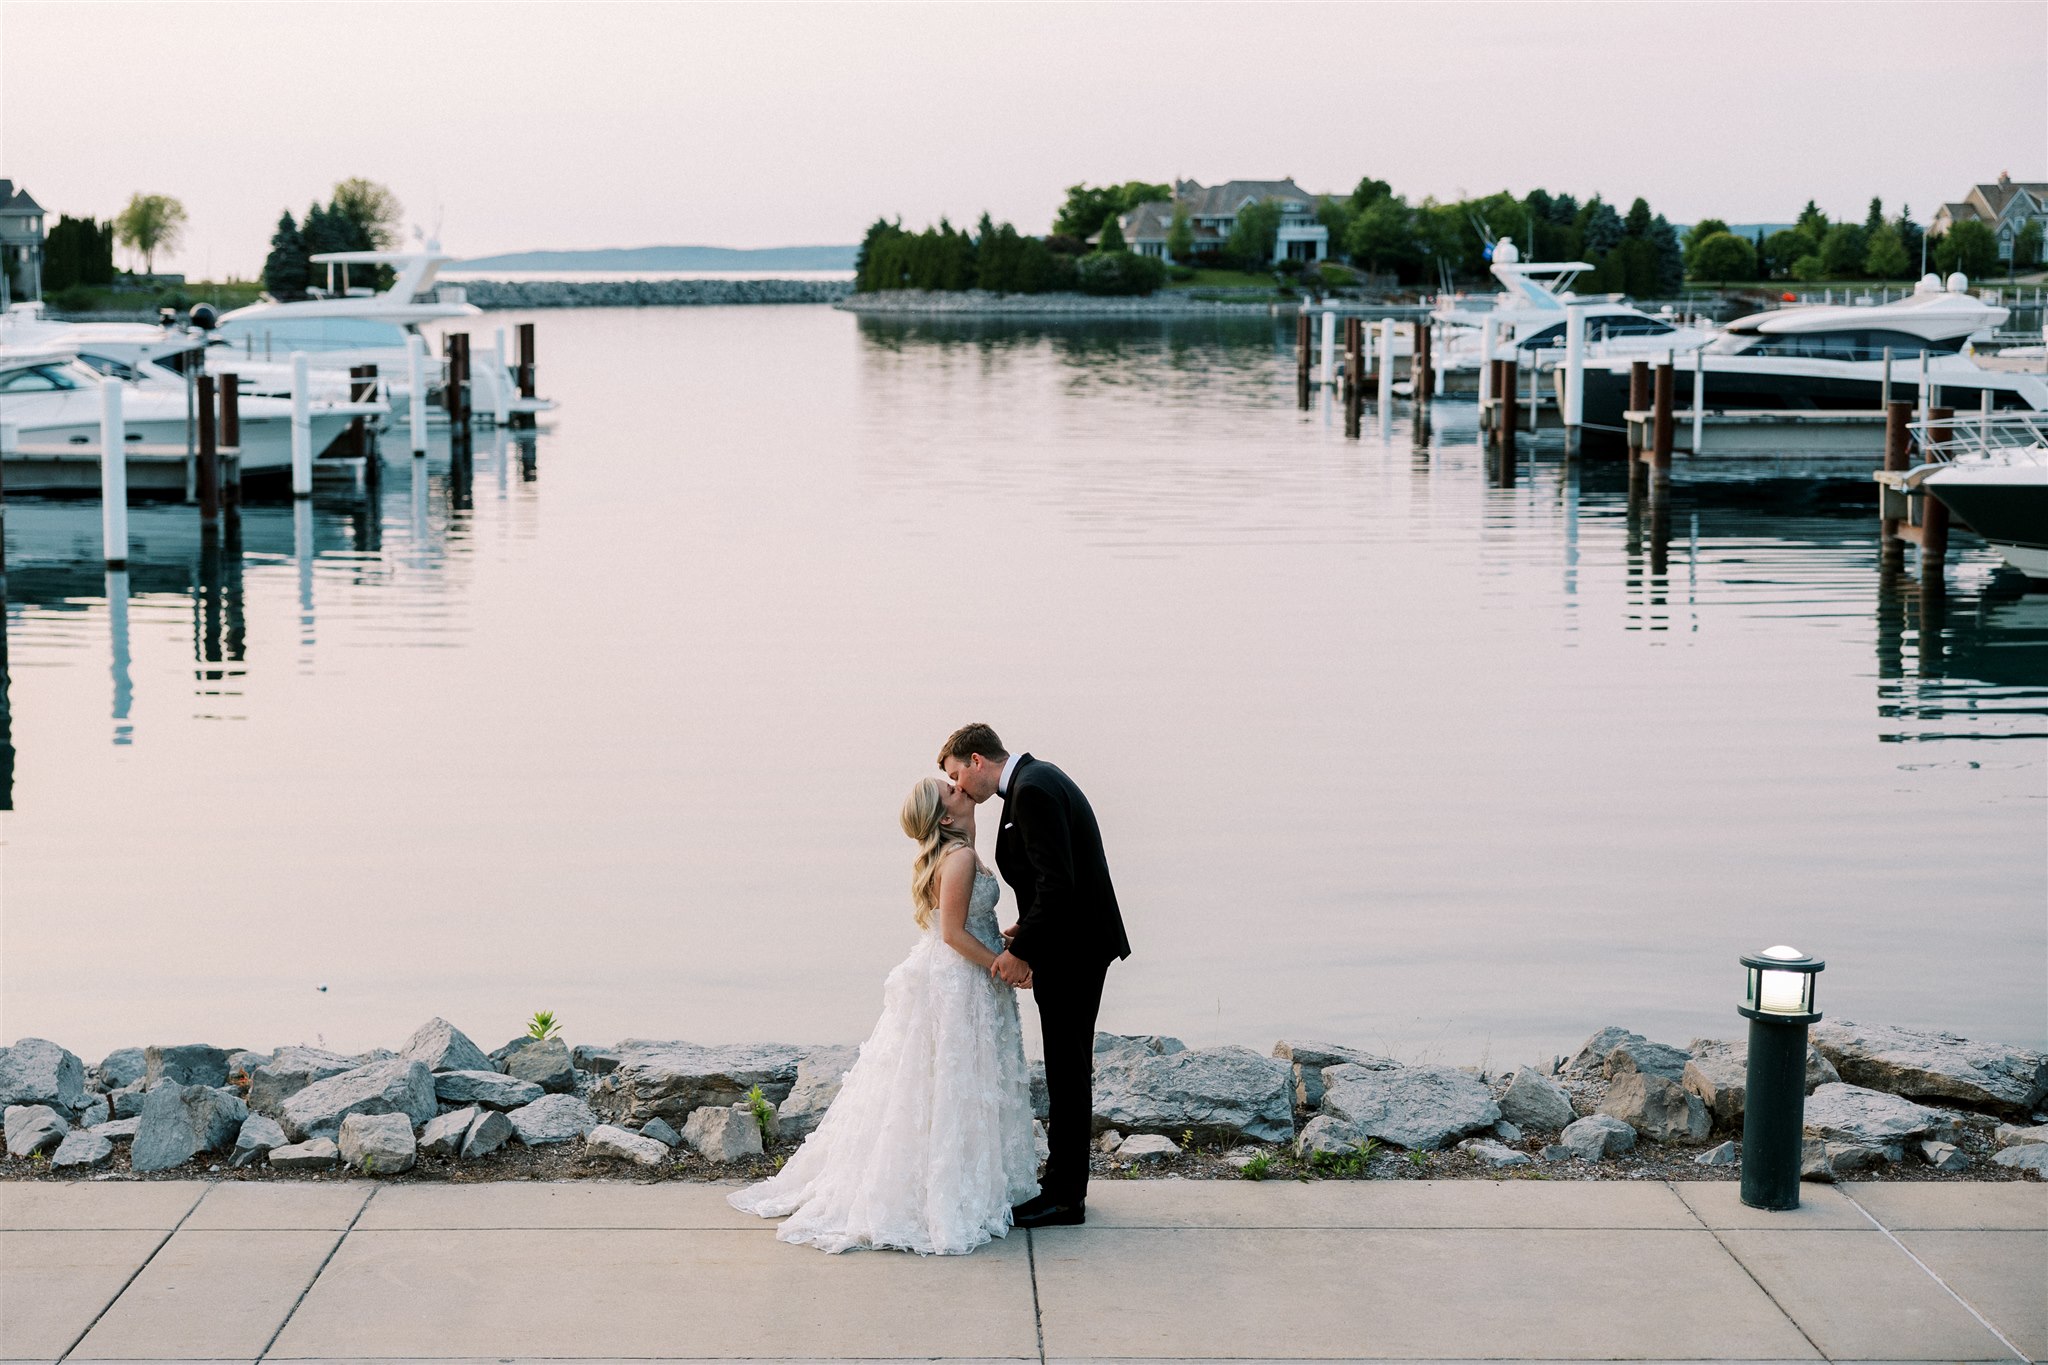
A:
(929, 1142)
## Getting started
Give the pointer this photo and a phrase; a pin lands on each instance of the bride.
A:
(929, 1142)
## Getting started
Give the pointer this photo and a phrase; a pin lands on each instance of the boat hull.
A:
(2008, 507)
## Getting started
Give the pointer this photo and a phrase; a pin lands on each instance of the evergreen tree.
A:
(78, 251)
(1812, 221)
(1885, 258)
(1841, 251)
(1912, 237)
(1670, 257)
(1112, 238)
(1638, 222)
(1873, 220)
(1180, 236)
(286, 271)
(1599, 227)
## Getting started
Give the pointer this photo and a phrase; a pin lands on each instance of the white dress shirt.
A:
(1003, 782)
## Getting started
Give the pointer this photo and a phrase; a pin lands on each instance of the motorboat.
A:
(1991, 471)
(1837, 356)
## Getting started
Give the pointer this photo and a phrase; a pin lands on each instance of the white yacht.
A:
(1823, 356)
(1992, 472)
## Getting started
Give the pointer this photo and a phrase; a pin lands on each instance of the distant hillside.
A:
(674, 258)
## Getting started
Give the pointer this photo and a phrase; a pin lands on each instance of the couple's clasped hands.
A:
(1008, 968)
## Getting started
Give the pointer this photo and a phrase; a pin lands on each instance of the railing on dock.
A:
(2005, 434)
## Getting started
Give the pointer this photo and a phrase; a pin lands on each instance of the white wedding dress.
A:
(929, 1142)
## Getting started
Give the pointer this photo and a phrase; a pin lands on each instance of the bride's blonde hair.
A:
(921, 812)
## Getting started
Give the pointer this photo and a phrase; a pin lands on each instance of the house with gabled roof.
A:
(1212, 212)
(21, 245)
(2005, 206)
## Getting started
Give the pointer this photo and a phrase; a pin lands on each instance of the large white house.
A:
(1212, 212)
(21, 245)
(2005, 206)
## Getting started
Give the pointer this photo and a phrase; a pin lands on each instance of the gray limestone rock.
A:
(2029, 1156)
(723, 1132)
(1944, 1156)
(818, 1077)
(1639, 1054)
(1495, 1154)
(492, 1089)
(38, 1071)
(600, 1061)
(118, 1130)
(1719, 1074)
(1534, 1101)
(81, 1149)
(670, 1080)
(1657, 1107)
(1417, 1107)
(1136, 1045)
(1308, 1059)
(290, 1070)
(1327, 1136)
(444, 1047)
(1507, 1131)
(394, 1087)
(319, 1154)
(544, 1061)
(489, 1131)
(1723, 1155)
(33, 1128)
(258, 1138)
(378, 1144)
(1148, 1148)
(1041, 1098)
(127, 1101)
(243, 1062)
(1591, 1059)
(186, 1063)
(1108, 1139)
(552, 1118)
(2012, 1135)
(1935, 1066)
(122, 1066)
(181, 1121)
(608, 1140)
(1222, 1093)
(1557, 1151)
(1853, 1115)
(96, 1112)
(444, 1133)
(1597, 1137)
(1824, 1162)
(661, 1132)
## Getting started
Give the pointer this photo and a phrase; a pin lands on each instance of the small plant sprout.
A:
(1258, 1167)
(543, 1025)
(1187, 1139)
(764, 1113)
(1418, 1159)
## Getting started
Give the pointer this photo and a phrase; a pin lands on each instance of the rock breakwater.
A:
(649, 293)
(983, 303)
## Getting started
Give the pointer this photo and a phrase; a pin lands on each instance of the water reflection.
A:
(1970, 665)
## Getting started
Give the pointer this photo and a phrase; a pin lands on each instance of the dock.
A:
(1748, 433)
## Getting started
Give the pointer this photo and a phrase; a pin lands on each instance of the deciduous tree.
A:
(151, 223)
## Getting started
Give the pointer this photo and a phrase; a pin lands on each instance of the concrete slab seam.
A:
(108, 1306)
(1968, 1307)
(1037, 1318)
(1761, 1287)
(318, 1271)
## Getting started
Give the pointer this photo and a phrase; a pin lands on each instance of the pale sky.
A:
(517, 126)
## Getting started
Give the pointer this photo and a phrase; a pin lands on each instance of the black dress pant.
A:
(1069, 994)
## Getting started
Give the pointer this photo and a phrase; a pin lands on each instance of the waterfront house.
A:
(2005, 206)
(1212, 212)
(21, 245)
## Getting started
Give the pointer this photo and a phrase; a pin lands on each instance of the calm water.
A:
(1386, 753)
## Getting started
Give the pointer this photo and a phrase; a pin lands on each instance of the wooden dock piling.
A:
(1638, 399)
(526, 360)
(209, 455)
(231, 441)
(1506, 423)
(1660, 437)
(1419, 378)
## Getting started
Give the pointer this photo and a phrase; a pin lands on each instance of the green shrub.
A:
(76, 298)
(1119, 272)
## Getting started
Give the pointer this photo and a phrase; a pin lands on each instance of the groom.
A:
(1067, 933)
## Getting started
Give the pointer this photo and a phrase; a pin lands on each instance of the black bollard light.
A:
(1779, 1008)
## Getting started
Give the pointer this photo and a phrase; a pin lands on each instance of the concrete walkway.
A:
(1165, 1270)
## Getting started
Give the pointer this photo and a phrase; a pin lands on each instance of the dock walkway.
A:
(1165, 1270)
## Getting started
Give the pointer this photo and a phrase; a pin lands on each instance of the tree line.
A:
(996, 257)
(360, 215)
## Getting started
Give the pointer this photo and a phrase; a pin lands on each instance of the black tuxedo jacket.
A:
(1050, 852)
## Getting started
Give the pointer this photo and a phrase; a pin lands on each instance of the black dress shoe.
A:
(1044, 1213)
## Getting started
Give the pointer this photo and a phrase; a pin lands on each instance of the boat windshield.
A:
(281, 335)
(1857, 343)
(1599, 329)
(38, 379)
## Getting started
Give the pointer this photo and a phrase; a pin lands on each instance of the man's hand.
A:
(1011, 970)
(1009, 933)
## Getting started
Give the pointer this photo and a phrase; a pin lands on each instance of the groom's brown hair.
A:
(972, 739)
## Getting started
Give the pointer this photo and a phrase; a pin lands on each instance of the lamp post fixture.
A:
(1779, 1008)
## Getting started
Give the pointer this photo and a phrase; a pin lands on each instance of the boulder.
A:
(723, 1132)
(818, 1077)
(1041, 1098)
(34, 1128)
(599, 1061)
(118, 1130)
(1535, 1101)
(1308, 1060)
(258, 1138)
(1719, 1074)
(378, 1144)
(1597, 1137)
(81, 1149)
(2031, 1156)
(127, 1101)
(37, 1071)
(544, 1061)
(181, 1121)
(1824, 1162)
(1108, 1140)
(1639, 1054)
(1417, 1107)
(661, 1132)
(1490, 1153)
(243, 1062)
(1226, 1093)
(320, 1154)
(187, 1064)
(1591, 1059)
(1125, 1045)
(1855, 1116)
(444, 1047)
(610, 1141)
(1657, 1107)
(96, 1112)
(669, 1080)
(1944, 1156)
(394, 1087)
(488, 1131)
(2012, 1135)
(290, 1070)
(122, 1066)
(444, 1133)
(1146, 1148)
(552, 1118)
(1723, 1155)
(492, 1089)
(1327, 1136)
(1508, 1132)
(2011, 1081)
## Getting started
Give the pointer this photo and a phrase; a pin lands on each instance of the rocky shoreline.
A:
(493, 294)
(1883, 1103)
